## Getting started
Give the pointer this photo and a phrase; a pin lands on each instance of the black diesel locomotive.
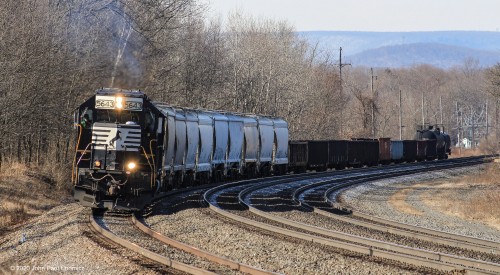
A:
(442, 140)
(130, 149)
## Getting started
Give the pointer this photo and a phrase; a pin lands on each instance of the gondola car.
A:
(384, 150)
(338, 154)
(397, 154)
(308, 155)
(363, 152)
(409, 150)
(130, 149)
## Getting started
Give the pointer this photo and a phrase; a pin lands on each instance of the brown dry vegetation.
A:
(27, 192)
(472, 197)
(457, 153)
(398, 201)
(486, 147)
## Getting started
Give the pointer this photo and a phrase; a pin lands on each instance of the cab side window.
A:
(86, 119)
(149, 122)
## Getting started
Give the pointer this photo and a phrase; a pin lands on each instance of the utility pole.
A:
(341, 65)
(341, 87)
(423, 116)
(458, 129)
(472, 114)
(373, 104)
(487, 132)
(496, 119)
(441, 112)
(400, 117)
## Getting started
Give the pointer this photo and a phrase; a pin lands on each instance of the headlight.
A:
(97, 163)
(119, 102)
(131, 165)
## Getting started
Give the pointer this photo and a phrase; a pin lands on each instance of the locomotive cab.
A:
(114, 162)
(439, 140)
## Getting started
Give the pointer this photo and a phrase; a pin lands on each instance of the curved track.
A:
(175, 199)
(321, 199)
(236, 197)
(98, 225)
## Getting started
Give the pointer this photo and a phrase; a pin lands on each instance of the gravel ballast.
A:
(373, 199)
(60, 241)
(203, 229)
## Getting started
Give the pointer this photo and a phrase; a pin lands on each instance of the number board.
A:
(111, 102)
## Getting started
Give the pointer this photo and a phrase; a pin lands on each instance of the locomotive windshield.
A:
(118, 109)
(120, 117)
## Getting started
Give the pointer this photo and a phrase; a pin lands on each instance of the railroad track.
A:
(234, 196)
(183, 199)
(321, 199)
(107, 226)
(101, 225)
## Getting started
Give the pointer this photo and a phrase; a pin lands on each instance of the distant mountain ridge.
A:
(401, 49)
(439, 55)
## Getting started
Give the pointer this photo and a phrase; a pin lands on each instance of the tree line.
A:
(55, 53)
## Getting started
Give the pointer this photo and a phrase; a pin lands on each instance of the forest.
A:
(55, 53)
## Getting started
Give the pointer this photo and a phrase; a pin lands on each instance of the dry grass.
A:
(486, 147)
(26, 192)
(398, 201)
(12, 213)
(473, 197)
(15, 169)
(457, 153)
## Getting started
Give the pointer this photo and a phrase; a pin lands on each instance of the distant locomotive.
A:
(131, 149)
(441, 139)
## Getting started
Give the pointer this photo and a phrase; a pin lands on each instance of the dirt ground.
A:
(25, 194)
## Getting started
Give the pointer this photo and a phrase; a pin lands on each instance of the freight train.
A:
(131, 149)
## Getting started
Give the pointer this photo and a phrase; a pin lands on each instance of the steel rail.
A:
(199, 252)
(337, 244)
(300, 176)
(349, 172)
(424, 237)
(144, 252)
(476, 241)
(457, 240)
(440, 259)
(376, 244)
(435, 236)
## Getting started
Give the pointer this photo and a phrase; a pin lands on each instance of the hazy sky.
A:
(361, 15)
